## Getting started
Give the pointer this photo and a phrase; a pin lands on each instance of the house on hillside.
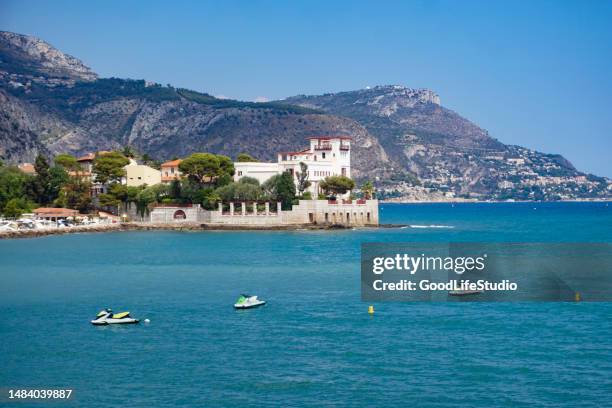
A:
(325, 156)
(170, 171)
(140, 174)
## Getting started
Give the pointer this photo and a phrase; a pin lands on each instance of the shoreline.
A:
(189, 226)
(134, 226)
(465, 201)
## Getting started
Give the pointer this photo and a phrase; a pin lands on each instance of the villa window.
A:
(323, 155)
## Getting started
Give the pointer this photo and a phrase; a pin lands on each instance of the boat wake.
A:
(430, 226)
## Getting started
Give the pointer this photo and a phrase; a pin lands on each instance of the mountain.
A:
(403, 139)
(53, 103)
(450, 155)
(32, 58)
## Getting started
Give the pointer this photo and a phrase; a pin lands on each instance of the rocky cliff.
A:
(404, 139)
(451, 156)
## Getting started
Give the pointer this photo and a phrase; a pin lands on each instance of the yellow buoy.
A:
(577, 297)
(371, 309)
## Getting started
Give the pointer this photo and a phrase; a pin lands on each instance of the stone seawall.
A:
(146, 226)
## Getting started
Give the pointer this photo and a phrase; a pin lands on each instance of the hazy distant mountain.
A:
(403, 138)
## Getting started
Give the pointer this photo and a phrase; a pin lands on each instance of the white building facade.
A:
(325, 156)
(140, 174)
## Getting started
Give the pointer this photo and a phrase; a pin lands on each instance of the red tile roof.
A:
(172, 163)
(87, 157)
(55, 212)
(27, 168)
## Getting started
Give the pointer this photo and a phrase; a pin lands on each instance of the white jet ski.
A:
(466, 292)
(248, 301)
(107, 316)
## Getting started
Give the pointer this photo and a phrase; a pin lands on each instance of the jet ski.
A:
(248, 301)
(107, 316)
(465, 292)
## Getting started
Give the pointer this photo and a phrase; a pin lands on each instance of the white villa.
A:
(326, 156)
(140, 174)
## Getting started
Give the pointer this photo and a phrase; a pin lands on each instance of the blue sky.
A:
(537, 74)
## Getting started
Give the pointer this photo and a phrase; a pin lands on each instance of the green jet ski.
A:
(248, 302)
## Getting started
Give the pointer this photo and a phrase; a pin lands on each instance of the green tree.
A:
(68, 162)
(108, 200)
(240, 192)
(223, 180)
(245, 158)
(41, 184)
(46, 185)
(208, 168)
(176, 189)
(13, 184)
(210, 198)
(57, 178)
(75, 194)
(367, 190)
(249, 180)
(302, 178)
(16, 206)
(133, 191)
(129, 151)
(146, 159)
(200, 167)
(281, 188)
(150, 195)
(109, 167)
(226, 165)
(119, 191)
(337, 185)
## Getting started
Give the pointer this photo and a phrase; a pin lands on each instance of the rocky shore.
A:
(137, 226)
(32, 233)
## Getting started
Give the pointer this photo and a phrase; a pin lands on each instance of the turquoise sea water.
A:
(314, 343)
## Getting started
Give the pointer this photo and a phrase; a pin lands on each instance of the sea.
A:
(314, 342)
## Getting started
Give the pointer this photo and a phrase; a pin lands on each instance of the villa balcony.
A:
(344, 146)
(325, 146)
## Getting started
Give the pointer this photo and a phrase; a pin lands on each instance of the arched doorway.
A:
(179, 215)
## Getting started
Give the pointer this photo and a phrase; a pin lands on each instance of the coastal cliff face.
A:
(403, 139)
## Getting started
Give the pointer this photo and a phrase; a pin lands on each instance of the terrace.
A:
(323, 146)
